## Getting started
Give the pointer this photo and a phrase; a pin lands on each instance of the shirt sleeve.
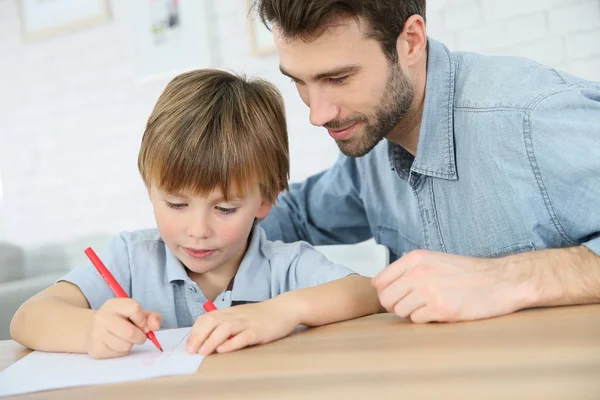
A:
(324, 209)
(564, 150)
(306, 267)
(89, 281)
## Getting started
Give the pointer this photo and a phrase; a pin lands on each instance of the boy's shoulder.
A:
(146, 240)
(141, 236)
(273, 249)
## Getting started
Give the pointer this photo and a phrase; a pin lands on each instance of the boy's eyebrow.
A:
(344, 70)
(218, 199)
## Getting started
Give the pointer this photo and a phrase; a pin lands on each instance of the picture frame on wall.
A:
(261, 38)
(169, 37)
(46, 18)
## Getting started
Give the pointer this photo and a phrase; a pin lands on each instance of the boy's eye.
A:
(226, 210)
(176, 206)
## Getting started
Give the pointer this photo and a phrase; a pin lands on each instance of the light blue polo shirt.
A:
(151, 274)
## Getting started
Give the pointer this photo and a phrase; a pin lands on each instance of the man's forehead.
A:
(337, 48)
(335, 27)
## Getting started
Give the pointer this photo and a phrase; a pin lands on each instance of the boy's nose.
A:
(199, 228)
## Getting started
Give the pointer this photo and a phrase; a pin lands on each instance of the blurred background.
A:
(79, 78)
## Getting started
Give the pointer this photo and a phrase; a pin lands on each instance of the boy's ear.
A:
(264, 209)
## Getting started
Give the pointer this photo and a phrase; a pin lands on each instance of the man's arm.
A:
(324, 209)
(557, 277)
(562, 142)
(427, 286)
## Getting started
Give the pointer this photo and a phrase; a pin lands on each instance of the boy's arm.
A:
(59, 319)
(55, 319)
(245, 325)
(338, 300)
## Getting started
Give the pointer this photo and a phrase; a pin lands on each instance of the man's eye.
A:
(339, 80)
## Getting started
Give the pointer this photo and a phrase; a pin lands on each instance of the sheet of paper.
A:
(44, 371)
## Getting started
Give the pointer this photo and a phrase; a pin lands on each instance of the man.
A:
(480, 174)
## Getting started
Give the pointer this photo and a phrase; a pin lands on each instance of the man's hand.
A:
(237, 327)
(117, 326)
(428, 286)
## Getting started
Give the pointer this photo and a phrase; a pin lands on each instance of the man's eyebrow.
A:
(345, 70)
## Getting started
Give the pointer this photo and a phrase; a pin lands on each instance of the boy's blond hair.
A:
(214, 130)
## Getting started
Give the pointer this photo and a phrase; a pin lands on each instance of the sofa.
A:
(27, 271)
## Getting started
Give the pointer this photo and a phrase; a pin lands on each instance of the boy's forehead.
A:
(214, 194)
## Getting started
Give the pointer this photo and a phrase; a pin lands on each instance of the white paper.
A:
(44, 371)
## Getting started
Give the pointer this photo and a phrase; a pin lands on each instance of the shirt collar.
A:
(435, 151)
(175, 269)
(252, 280)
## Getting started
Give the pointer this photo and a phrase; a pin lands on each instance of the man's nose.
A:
(322, 109)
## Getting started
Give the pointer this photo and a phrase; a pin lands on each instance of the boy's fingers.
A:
(200, 331)
(153, 320)
(237, 342)
(130, 309)
(117, 345)
(216, 338)
(137, 315)
(125, 330)
(102, 351)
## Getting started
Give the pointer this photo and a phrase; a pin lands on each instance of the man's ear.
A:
(412, 42)
(264, 209)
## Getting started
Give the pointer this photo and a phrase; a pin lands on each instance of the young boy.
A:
(213, 157)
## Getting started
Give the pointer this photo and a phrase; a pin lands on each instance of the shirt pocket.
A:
(512, 249)
(397, 243)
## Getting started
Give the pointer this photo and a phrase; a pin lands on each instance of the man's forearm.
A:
(339, 300)
(556, 277)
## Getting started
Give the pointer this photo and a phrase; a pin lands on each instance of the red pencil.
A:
(114, 286)
(209, 306)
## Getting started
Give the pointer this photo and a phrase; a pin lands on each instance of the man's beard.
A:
(393, 105)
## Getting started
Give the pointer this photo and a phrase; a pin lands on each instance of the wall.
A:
(71, 114)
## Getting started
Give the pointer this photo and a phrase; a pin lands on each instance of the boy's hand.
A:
(117, 326)
(236, 327)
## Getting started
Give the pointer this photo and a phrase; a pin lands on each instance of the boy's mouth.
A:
(198, 253)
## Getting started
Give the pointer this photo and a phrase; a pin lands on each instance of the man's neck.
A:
(406, 132)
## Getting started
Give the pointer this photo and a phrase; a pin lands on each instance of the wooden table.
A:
(534, 354)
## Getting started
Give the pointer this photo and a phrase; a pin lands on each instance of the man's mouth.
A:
(341, 134)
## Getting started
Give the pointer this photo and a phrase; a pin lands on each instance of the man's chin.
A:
(352, 149)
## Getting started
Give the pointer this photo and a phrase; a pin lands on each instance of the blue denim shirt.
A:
(508, 160)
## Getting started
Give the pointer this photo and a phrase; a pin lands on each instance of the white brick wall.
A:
(71, 116)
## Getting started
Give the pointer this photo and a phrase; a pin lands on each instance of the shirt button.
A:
(192, 289)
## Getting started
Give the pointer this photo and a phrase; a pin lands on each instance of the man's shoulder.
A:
(492, 82)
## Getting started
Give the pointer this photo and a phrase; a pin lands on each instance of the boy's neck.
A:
(213, 283)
